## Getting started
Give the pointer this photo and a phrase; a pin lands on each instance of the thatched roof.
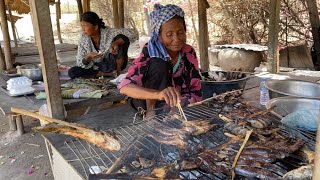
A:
(22, 6)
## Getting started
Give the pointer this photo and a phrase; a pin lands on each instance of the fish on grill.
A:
(177, 136)
(260, 123)
(252, 172)
(301, 173)
(103, 140)
(235, 128)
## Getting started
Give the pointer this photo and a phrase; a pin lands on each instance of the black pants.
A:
(157, 77)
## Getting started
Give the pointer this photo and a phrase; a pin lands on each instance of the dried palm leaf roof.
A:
(22, 6)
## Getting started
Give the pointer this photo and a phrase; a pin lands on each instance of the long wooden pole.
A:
(203, 34)
(12, 26)
(6, 36)
(58, 17)
(44, 36)
(315, 25)
(80, 8)
(2, 64)
(121, 13)
(273, 53)
(115, 12)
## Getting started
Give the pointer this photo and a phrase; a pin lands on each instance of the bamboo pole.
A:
(6, 36)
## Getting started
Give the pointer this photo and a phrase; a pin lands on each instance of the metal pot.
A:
(217, 87)
(286, 105)
(32, 71)
(294, 88)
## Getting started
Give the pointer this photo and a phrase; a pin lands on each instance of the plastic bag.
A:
(302, 119)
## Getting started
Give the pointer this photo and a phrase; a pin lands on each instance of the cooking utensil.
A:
(295, 88)
(32, 71)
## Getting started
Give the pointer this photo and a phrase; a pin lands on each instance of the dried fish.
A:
(252, 172)
(104, 140)
(174, 140)
(235, 129)
(197, 127)
(301, 173)
(260, 123)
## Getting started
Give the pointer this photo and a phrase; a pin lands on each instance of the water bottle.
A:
(264, 92)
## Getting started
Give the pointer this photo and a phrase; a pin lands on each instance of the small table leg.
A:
(20, 127)
(12, 123)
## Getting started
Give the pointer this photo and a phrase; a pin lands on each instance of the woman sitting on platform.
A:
(167, 68)
(102, 51)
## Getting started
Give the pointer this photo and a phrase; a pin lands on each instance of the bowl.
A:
(217, 87)
(285, 105)
(32, 71)
(294, 88)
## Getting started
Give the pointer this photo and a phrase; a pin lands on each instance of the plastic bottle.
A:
(264, 92)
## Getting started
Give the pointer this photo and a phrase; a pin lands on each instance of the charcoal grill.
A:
(89, 161)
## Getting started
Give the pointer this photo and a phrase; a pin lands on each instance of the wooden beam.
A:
(43, 32)
(80, 8)
(6, 36)
(273, 52)
(12, 26)
(121, 13)
(315, 25)
(58, 17)
(203, 35)
(115, 12)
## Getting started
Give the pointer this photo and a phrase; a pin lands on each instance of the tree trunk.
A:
(193, 24)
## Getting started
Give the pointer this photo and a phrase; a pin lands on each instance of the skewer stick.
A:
(239, 152)
(181, 111)
(214, 97)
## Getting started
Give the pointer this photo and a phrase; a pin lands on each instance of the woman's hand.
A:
(92, 56)
(171, 95)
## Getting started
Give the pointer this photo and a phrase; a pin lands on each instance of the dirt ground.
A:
(25, 157)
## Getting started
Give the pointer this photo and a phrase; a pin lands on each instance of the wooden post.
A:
(316, 168)
(19, 122)
(12, 26)
(315, 25)
(6, 36)
(43, 32)
(80, 9)
(121, 13)
(12, 123)
(115, 13)
(58, 17)
(203, 34)
(86, 5)
(273, 52)
(2, 61)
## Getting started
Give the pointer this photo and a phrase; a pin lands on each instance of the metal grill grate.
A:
(90, 160)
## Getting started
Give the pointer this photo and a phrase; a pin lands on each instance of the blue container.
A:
(217, 87)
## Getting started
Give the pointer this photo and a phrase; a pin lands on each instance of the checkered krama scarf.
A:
(160, 15)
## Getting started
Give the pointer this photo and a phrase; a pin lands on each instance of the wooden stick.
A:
(181, 111)
(239, 152)
(46, 119)
(214, 97)
(259, 113)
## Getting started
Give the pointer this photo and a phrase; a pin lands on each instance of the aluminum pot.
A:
(32, 71)
(294, 88)
(217, 87)
(285, 105)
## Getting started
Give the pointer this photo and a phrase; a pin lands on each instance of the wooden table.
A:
(30, 103)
